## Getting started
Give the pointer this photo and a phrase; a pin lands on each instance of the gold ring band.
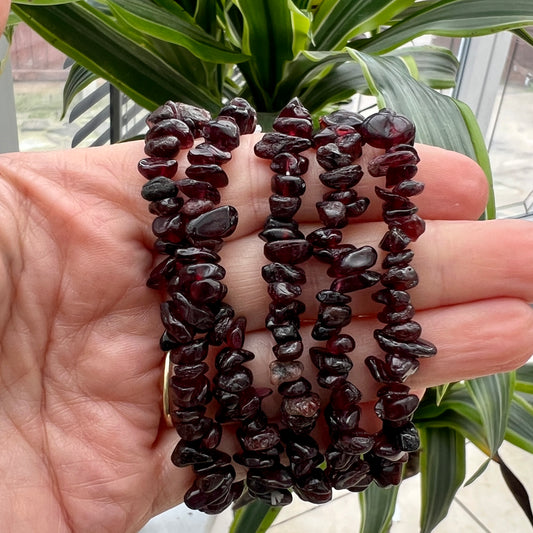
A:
(166, 394)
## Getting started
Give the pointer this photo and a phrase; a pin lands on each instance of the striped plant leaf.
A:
(524, 379)
(167, 26)
(377, 507)
(440, 392)
(78, 78)
(254, 517)
(114, 55)
(42, 2)
(524, 35)
(478, 472)
(492, 396)
(337, 21)
(272, 36)
(456, 411)
(437, 66)
(442, 469)
(453, 18)
(519, 429)
(516, 487)
(339, 83)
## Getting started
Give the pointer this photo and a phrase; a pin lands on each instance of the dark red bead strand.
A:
(192, 232)
(203, 226)
(287, 248)
(339, 145)
(171, 128)
(400, 337)
(233, 384)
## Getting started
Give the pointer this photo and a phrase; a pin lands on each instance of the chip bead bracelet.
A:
(191, 232)
(400, 338)
(287, 249)
(339, 146)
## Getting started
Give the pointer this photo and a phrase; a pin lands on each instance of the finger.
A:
(455, 185)
(473, 339)
(456, 261)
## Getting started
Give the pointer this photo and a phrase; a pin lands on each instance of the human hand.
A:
(84, 445)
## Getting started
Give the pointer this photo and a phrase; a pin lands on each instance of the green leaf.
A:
(480, 154)
(255, 517)
(524, 35)
(520, 426)
(457, 411)
(320, 79)
(392, 84)
(524, 378)
(269, 38)
(492, 396)
(478, 472)
(338, 84)
(377, 507)
(454, 18)
(300, 27)
(13, 19)
(338, 21)
(440, 120)
(153, 20)
(440, 392)
(306, 68)
(78, 78)
(205, 15)
(437, 66)
(107, 52)
(442, 469)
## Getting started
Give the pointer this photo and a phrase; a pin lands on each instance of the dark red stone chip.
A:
(207, 154)
(287, 163)
(298, 127)
(158, 189)
(216, 224)
(386, 128)
(342, 178)
(286, 185)
(222, 132)
(243, 114)
(284, 207)
(213, 174)
(289, 252)
(152, 167)
(273, 144)
(330, 157)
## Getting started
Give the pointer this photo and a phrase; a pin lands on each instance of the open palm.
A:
(83, 445)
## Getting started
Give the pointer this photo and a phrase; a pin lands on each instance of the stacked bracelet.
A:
(191, 226)
(339, 145)
(286, 247)
(195, 318)
(400, 338)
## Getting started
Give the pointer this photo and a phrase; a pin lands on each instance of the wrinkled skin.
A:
(84, 448)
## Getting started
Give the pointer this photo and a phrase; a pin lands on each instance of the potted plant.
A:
(204, 52)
